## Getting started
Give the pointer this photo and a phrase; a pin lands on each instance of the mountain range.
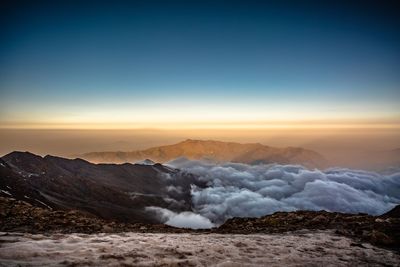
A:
(109, 191)
(123, 192)
(215, 151)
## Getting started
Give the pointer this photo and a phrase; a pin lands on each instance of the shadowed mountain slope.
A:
(110, 191)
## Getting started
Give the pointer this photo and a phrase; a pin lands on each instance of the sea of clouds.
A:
(241, 190)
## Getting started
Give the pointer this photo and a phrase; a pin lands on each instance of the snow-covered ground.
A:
(321, 248)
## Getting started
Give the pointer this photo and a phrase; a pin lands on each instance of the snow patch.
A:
(43, 204)
(6, 192)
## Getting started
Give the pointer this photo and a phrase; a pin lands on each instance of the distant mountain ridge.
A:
(218, 151)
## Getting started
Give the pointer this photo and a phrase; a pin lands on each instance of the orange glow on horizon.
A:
(210, 125)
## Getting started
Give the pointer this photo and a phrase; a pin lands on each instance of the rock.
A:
(107, 229)
(379, 238)
(320, 219)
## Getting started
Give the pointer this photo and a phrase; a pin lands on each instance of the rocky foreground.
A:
(34, 236)
(378, 230)
(304, 248)
(19, 216)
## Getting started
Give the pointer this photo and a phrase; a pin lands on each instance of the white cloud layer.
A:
(184, 219)
(240, 190)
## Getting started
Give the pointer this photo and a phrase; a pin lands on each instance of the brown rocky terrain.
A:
(379, 230)
(218, 151)
(19, 216)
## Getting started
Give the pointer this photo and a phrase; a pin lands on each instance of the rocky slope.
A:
(109, 191)
(214, 151)
(380, 230)
(20, 216)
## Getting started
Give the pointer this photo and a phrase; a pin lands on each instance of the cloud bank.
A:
(240, 190)
(185, 219)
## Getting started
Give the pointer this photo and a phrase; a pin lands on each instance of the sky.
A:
(199, 64)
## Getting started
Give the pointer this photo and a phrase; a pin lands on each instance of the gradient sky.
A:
(141, 64)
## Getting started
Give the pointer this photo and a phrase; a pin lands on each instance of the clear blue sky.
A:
(78, 60)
